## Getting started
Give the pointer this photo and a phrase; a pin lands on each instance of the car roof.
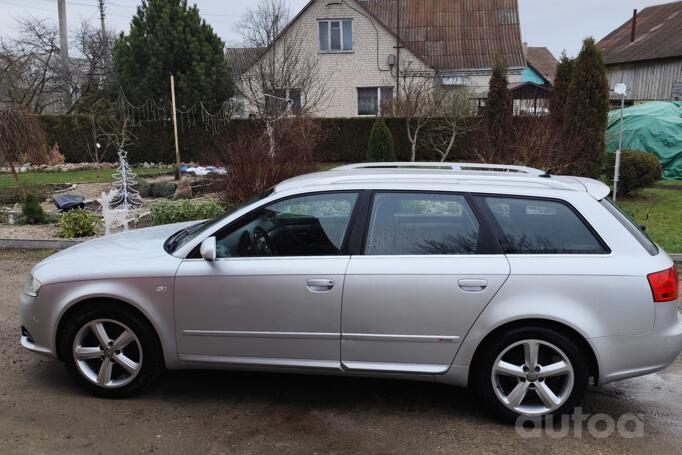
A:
(492, 177)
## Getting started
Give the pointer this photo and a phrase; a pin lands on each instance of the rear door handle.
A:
(320, 284)
(473, 285)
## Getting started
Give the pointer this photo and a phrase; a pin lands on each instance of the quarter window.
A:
(421, 224)
(537, 226)
(336, 35)
(312, 225)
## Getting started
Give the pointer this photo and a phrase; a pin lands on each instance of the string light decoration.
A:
(125, 196)
(197, 114)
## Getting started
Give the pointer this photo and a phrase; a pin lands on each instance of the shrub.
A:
(32, 212)
(168, 212)
(381, 145)
(637, 170)
(253, 168)
(78, 223)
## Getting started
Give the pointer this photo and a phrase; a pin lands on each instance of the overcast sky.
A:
(557, 24)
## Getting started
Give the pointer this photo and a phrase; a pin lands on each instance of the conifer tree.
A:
(587, 107)
(381, 145)
(168, 37)
(562, 82)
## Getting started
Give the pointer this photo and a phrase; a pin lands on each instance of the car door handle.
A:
(473, 285)
(320, 284)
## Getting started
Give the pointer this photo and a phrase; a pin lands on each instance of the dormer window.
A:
(336, 35)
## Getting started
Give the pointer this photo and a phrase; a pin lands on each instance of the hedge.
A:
(345, 139)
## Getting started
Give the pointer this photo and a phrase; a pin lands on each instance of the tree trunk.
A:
(14, 173)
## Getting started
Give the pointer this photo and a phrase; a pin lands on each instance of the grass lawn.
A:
(660, 210)
(88, 176)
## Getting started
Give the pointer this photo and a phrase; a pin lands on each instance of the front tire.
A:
(531, 372)
(110, 351)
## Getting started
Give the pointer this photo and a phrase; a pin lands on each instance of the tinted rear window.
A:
(539, 226)
(632, 227)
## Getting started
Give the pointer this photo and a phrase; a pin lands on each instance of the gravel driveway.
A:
(41, 411)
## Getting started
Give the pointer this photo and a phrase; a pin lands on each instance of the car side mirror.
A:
(208, 249)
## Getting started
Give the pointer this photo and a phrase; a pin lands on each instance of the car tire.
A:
(561, 367)
(130, 356)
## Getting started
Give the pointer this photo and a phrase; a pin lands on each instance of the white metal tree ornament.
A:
(126, 197)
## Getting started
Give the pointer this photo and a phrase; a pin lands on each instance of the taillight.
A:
(665, 285)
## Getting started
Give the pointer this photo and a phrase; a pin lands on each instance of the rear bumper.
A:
(623, 357)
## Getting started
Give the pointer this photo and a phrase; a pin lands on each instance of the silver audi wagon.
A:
(519, 284)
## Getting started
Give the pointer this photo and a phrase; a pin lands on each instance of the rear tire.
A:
(532, 372)
(110, 351)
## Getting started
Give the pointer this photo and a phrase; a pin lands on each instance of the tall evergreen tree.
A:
(562, 82)
(381, 145)
(587, 107)
(499, 107)
(168, 37)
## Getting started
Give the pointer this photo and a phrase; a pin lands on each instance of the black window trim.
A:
(497, 229)
(344, 251)
(358, 244)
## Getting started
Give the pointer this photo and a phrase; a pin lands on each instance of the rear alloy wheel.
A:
(532, 373)
(110, 351)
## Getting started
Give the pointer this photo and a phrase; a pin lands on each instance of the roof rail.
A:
(461, 167)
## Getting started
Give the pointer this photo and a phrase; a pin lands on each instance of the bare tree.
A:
(416, 105)
(285, 80)
(453, 117)
(94, 47)
(22, 138)
(31, 74)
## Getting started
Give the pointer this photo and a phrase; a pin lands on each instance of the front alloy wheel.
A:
(107, 353)
(110, 350)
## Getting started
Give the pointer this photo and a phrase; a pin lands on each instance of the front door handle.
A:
(473, 285)
(320, 284)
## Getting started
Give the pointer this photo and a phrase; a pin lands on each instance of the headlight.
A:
(32, 286)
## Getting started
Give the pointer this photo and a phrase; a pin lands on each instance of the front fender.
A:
(153, 297)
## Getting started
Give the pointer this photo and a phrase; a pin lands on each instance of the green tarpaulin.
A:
(654, 127)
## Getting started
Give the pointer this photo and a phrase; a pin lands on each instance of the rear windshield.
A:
(629, 224)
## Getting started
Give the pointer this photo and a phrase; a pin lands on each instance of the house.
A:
(540, 66)
(645, 53)
(365, 49)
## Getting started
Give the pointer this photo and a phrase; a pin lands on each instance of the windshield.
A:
(186, 235)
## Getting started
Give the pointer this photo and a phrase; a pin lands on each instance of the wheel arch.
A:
(77, 306)
(570, 332)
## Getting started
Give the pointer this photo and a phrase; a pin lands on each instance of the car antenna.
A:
(547, 174)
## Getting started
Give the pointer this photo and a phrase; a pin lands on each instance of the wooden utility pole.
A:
(175, 130)
(397, 52)
(64, 52)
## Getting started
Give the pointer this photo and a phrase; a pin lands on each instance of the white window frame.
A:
(329, 35)
(379, 99)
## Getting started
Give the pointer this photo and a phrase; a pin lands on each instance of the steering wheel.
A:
(262, 244)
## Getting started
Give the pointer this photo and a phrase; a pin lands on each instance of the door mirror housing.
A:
(208, 249)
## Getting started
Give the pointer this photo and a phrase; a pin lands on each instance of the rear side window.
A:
(539, 226)
(629, 224)
(421, 224)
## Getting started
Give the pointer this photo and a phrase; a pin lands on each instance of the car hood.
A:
(136, 253)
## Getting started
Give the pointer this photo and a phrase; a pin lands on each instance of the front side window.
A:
(336, 35)
(374, 100)
(538, 226)
(421, 224)
(311, 225)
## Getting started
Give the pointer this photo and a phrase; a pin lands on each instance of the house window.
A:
(374, 100)
(283, 101)
(336, 36)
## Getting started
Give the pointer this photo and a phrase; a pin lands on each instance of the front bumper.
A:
(35, 336)
(623, 357)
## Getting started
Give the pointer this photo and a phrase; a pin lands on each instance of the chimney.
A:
(525, 49)
(634, 26)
